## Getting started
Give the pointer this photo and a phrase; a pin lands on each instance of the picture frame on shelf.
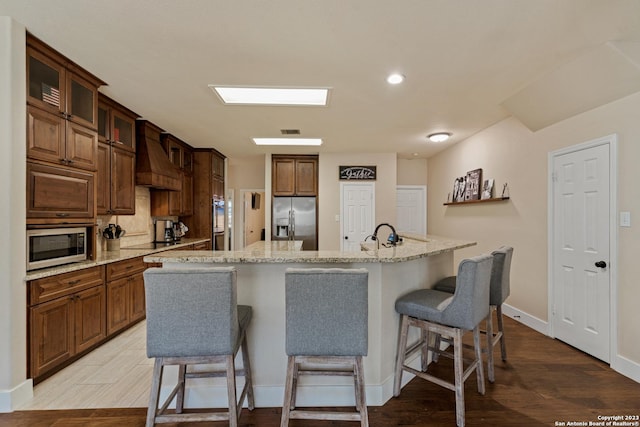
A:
(473, 182)
(459, 189)
(487, 189)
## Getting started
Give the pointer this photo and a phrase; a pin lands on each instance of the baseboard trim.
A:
(526, 319)
(12, 399)
(626, 367)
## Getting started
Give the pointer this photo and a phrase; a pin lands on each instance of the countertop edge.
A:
(114, 256)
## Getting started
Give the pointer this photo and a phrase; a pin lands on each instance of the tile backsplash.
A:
(138, 227)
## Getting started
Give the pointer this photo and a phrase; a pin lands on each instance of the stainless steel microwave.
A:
(55, 246)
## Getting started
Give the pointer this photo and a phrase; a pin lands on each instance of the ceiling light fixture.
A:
(395, 78)
(271, 95)
(439, 136)
(287, 141)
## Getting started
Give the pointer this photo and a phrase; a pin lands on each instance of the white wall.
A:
(14, 388)
(509, 152)
(329, 192)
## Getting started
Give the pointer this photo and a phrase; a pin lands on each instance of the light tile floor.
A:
(115, 375)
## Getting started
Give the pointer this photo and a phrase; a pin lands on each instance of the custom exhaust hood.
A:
(153, 167)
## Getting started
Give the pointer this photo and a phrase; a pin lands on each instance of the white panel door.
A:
(411, 209)
(581, 216)
(357, 214)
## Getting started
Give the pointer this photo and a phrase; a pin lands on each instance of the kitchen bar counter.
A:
(418, 263)
(106, 257)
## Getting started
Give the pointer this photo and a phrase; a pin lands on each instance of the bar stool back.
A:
(500, 288)
(326, 325)
(450, 315)
(193, 319)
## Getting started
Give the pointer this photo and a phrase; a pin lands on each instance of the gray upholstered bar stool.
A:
(451, 316)
(193, 319)
(499, 291)
(326, 326)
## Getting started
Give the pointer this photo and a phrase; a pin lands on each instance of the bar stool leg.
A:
(182, 373)
(400, 355)
(479, 367)
(246, 364)
(360, 392)
(490, 367)
(459, 376)
(503, 346)
(158, 369)
(424, 337)
(288, 392)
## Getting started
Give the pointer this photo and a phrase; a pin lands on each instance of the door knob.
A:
(601, 264)
(346, 237)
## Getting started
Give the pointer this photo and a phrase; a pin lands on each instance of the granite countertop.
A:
(107, 257)
(262, 252)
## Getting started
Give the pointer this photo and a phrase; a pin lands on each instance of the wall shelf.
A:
(466, 202)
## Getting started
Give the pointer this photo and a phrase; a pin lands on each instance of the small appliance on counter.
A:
(163, 231)
(179, 230)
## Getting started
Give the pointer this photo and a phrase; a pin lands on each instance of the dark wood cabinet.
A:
(208, 184)
(294, 175)
(62, 109)
(66, 318)
(116, 159)
(125, 294)
(176, 203)
(56, 194)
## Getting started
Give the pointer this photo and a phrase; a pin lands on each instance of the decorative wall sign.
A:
(361, 173)
(474, 180)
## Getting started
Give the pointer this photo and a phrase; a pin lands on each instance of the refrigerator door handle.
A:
(293, 225)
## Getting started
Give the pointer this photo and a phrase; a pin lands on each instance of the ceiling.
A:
(461, 59)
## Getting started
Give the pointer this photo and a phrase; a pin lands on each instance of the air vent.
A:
(290, 131)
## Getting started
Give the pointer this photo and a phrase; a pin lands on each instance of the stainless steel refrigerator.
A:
(294, 218)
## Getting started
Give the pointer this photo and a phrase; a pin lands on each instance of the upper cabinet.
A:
(116, 159)
(116, 124)
(62, 109)
(176, 203)
(294, 175)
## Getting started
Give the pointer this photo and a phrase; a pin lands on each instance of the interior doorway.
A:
(582, 236)
(357, 214)
(411, 209)
(253, 217)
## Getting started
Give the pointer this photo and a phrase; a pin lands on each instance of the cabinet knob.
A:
(601, 264)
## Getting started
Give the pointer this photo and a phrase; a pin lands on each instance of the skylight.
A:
(271, 95)
(287, 141)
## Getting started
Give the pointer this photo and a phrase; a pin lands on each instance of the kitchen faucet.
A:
(393, 237)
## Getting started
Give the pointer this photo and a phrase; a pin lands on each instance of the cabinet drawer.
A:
(53, 287)
(117, 270)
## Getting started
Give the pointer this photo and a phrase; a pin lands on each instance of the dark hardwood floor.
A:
(544, 383)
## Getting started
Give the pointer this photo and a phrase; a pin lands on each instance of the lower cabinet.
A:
(67, 315)
(125, 294)
(71, 313)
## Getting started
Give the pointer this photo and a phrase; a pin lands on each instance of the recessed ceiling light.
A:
(287, 141)
(395, 78)
(271, 95)
(439, 137)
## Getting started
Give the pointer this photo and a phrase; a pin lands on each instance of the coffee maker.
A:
(164, 231)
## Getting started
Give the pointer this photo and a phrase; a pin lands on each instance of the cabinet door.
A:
(58, 193)
(217, 188)
(284, 177)
(81, 147)
(103, 177)
(123, 130)
(306, 174)
(82, 101)
(117, 305)
(187, 194)
(51, 335)
(123, 177)
(136, 298)
(217, 166)
(89, 316)
(45, 136)
(45, 82)
(104, 123)
(174, 151)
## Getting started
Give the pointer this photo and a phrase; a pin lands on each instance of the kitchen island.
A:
(418, 262)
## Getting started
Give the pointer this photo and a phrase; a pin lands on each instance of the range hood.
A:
(153, 167)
